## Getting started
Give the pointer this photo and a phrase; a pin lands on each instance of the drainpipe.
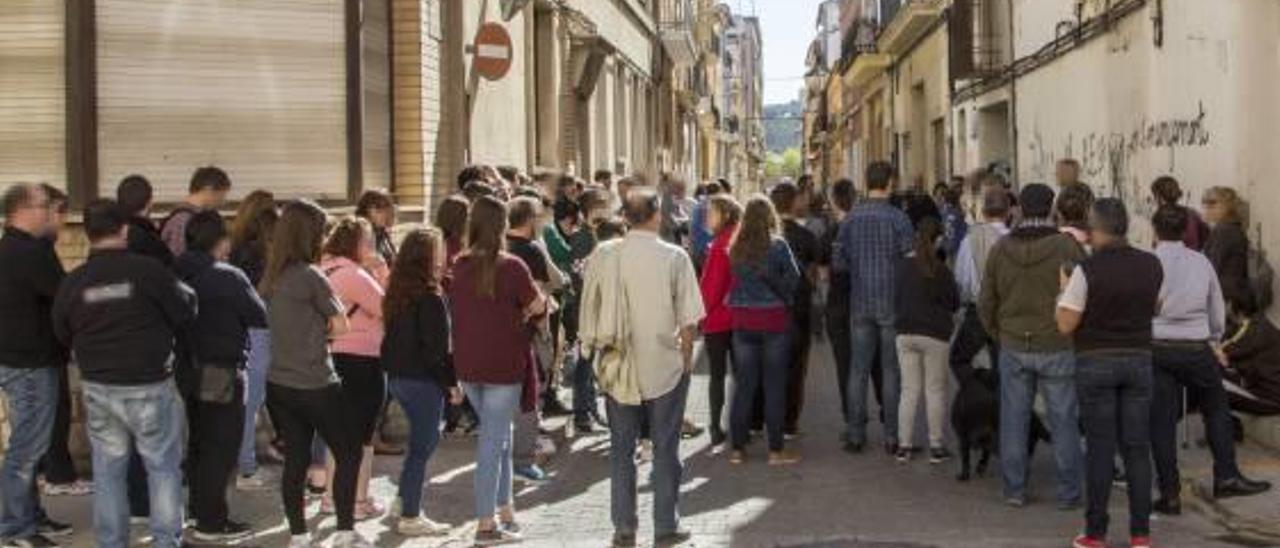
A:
(1013, 99)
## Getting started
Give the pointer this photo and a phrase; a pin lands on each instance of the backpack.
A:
(1261, 277)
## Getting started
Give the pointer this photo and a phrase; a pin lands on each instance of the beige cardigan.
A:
(603, 327)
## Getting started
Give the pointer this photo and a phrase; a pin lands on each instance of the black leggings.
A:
(719, 352)
(299, 415)
(365, 387)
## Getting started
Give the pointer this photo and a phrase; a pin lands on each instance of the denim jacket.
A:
(769, 284)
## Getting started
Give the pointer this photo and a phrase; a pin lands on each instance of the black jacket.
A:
(416, 343)
(229, 307)
(144, 239)
(250, 258)
(119, 312)
(1228, 250)
(925, 306)
(29, 276)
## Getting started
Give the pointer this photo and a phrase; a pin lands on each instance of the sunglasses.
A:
(1209, 202)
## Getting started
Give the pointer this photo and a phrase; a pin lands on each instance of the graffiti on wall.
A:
(1107, 158)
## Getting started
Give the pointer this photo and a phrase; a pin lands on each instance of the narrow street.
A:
(829, 500)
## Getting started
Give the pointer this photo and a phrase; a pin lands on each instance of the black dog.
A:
(975, 416)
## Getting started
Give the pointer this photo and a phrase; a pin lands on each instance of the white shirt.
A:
(663, 295)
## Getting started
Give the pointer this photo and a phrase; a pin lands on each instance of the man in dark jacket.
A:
(120, 313)
(217, 347)
(30, 358)
(791, 202)
(1016, 306)
(135, 198)
(1108, 306)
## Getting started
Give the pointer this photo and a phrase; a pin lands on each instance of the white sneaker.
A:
(350, 539)
(78, 488)
(421, 527)
(250, 483)
(300, 541)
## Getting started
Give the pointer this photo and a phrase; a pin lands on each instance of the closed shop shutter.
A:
(254, 87)
(32, 92)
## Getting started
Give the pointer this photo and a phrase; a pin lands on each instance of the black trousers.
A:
(801, 341)
(301, 414)
(1195, 368)
(364, 386)
(970, 339)
(838, 333)
(719, 353)
(216, 431)
(57, 464)
(1115, 391)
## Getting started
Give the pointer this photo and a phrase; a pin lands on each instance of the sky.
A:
(788, 28)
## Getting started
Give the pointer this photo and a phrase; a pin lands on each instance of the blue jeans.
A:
(497, 405)
(1021, 374)
(32, 395)
(255, 394)
(664, 415)
(868, 334)
(1115, 396)
(423, 403)
(584, 389)
(759, 357)
(151, 418)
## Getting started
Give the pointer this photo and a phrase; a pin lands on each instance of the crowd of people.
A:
(184, 330)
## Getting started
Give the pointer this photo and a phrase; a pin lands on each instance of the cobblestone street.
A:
(829, 500)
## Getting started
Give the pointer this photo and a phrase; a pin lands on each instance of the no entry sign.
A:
(493, 51)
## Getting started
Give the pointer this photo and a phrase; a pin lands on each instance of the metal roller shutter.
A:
(32, 92)
(254, 87)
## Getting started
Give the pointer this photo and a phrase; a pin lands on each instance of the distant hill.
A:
(782, 125)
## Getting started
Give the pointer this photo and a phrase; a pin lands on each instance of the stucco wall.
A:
(925, 66)
(499, 109)
(1202, 108)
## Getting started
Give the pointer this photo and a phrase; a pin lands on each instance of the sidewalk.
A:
(830, 500)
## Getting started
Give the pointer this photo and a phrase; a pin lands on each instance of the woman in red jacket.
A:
(717, 278)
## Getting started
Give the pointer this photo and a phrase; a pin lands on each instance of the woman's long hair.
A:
(255, 219)
(451, 218)
(486, 230)
(416, 273)
(756, 232)
(347, 236)
(928, 230)
(1233, 209)
(729, 210)
(297, 239)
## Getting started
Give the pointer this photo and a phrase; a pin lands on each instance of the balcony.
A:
(676, 27)
(909, 22)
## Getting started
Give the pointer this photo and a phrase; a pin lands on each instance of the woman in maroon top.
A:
(723, 213)
(492, 300)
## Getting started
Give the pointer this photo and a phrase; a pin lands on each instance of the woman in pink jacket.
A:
(356, 352)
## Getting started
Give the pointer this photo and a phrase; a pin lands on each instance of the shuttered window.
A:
(255, 87)
(32, 92)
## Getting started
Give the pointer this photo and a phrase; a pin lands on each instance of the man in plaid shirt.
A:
(872, 239)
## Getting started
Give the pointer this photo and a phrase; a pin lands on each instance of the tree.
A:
(786, 164)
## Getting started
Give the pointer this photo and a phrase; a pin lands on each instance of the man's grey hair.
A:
(642, 205)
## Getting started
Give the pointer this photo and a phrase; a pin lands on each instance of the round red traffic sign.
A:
(493, 51)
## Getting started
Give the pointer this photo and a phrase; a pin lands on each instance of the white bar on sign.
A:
(493, 51)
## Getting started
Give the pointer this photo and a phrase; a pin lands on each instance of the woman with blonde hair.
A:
(765, 279)
(1228, 244)
(250, 241)
(722, 217)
